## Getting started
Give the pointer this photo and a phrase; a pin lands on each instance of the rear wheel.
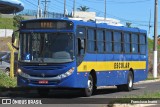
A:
(129, 85)
(89, 90)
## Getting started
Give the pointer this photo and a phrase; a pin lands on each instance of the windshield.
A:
(46, 47)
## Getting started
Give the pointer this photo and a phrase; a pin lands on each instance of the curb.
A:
(147, 81)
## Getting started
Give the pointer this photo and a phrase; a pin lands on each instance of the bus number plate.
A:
(43, 82)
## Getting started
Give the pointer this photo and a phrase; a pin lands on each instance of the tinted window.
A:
(117, 42)
(91, 40)
(100, 41)
(134, 38)
(127, 46)
(142, 43)
(109, 42)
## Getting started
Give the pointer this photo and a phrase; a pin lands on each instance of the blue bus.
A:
(65, 53)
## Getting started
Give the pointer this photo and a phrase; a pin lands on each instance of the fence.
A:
(34, 13)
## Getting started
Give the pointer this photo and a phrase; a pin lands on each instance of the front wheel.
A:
(89, 90)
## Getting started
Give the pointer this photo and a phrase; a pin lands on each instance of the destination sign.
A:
(47, 24)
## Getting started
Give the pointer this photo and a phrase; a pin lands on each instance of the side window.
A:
(142, 43)
(109, 41)
(127, 45)
(91, 46)
(117, 42)
(100, 41)
(134, 39)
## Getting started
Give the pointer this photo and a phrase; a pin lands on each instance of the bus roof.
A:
(94, 24)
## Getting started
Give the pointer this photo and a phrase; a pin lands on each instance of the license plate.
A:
(43, 82)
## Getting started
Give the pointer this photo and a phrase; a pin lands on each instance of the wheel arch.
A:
(93, 73)
(131, 70)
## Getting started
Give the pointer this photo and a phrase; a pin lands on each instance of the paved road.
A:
(108, 92)
(70, 96)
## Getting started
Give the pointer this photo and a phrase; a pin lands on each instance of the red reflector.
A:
(43, 82)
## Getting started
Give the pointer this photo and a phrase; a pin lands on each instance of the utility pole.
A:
(155, 39)
(149, 26)
(105, 9)
(45, 8)
(64, 8)
(38, 10)
(74, 6)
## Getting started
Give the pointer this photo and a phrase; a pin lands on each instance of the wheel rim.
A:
(90, 85)
(130, 82)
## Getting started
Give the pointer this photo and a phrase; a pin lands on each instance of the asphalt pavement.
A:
(74, 98)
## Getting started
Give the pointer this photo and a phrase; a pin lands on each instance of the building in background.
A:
(91, 16)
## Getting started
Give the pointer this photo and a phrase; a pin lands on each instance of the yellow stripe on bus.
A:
(111, 65)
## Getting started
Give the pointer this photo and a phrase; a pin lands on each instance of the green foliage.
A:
(83, 8)
(6, 23)
(150, 45)
(128, 24)
(16, 20)
(6, 81)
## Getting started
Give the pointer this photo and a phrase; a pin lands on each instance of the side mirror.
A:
(14, 39)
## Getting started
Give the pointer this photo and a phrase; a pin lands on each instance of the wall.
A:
(6, 32)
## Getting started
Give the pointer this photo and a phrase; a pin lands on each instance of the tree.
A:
(16, 20)
(128, 24)
(83, 8)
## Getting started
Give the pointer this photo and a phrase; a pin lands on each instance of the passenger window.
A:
(127, 45)
(109, 42)
(91, 46)
(142, 43)
(134, 38)
(100, 41)
(117, 42)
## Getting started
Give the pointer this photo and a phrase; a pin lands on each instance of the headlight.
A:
(68, 73)
(22, 73)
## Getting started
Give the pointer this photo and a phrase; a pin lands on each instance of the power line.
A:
(118, 2)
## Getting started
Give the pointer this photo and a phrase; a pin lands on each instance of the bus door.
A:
(80, 44)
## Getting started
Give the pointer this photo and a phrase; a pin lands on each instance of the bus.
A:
(75, 54)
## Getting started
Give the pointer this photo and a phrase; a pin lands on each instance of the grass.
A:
(6, 23)
(6, 81)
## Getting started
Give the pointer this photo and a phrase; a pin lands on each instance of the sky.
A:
(136, 12)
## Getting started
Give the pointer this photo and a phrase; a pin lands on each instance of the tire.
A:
(129, 85)
(89, 90)
(43, 92)
(7, 71)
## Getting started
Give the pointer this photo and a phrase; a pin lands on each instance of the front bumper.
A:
(55, 82)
